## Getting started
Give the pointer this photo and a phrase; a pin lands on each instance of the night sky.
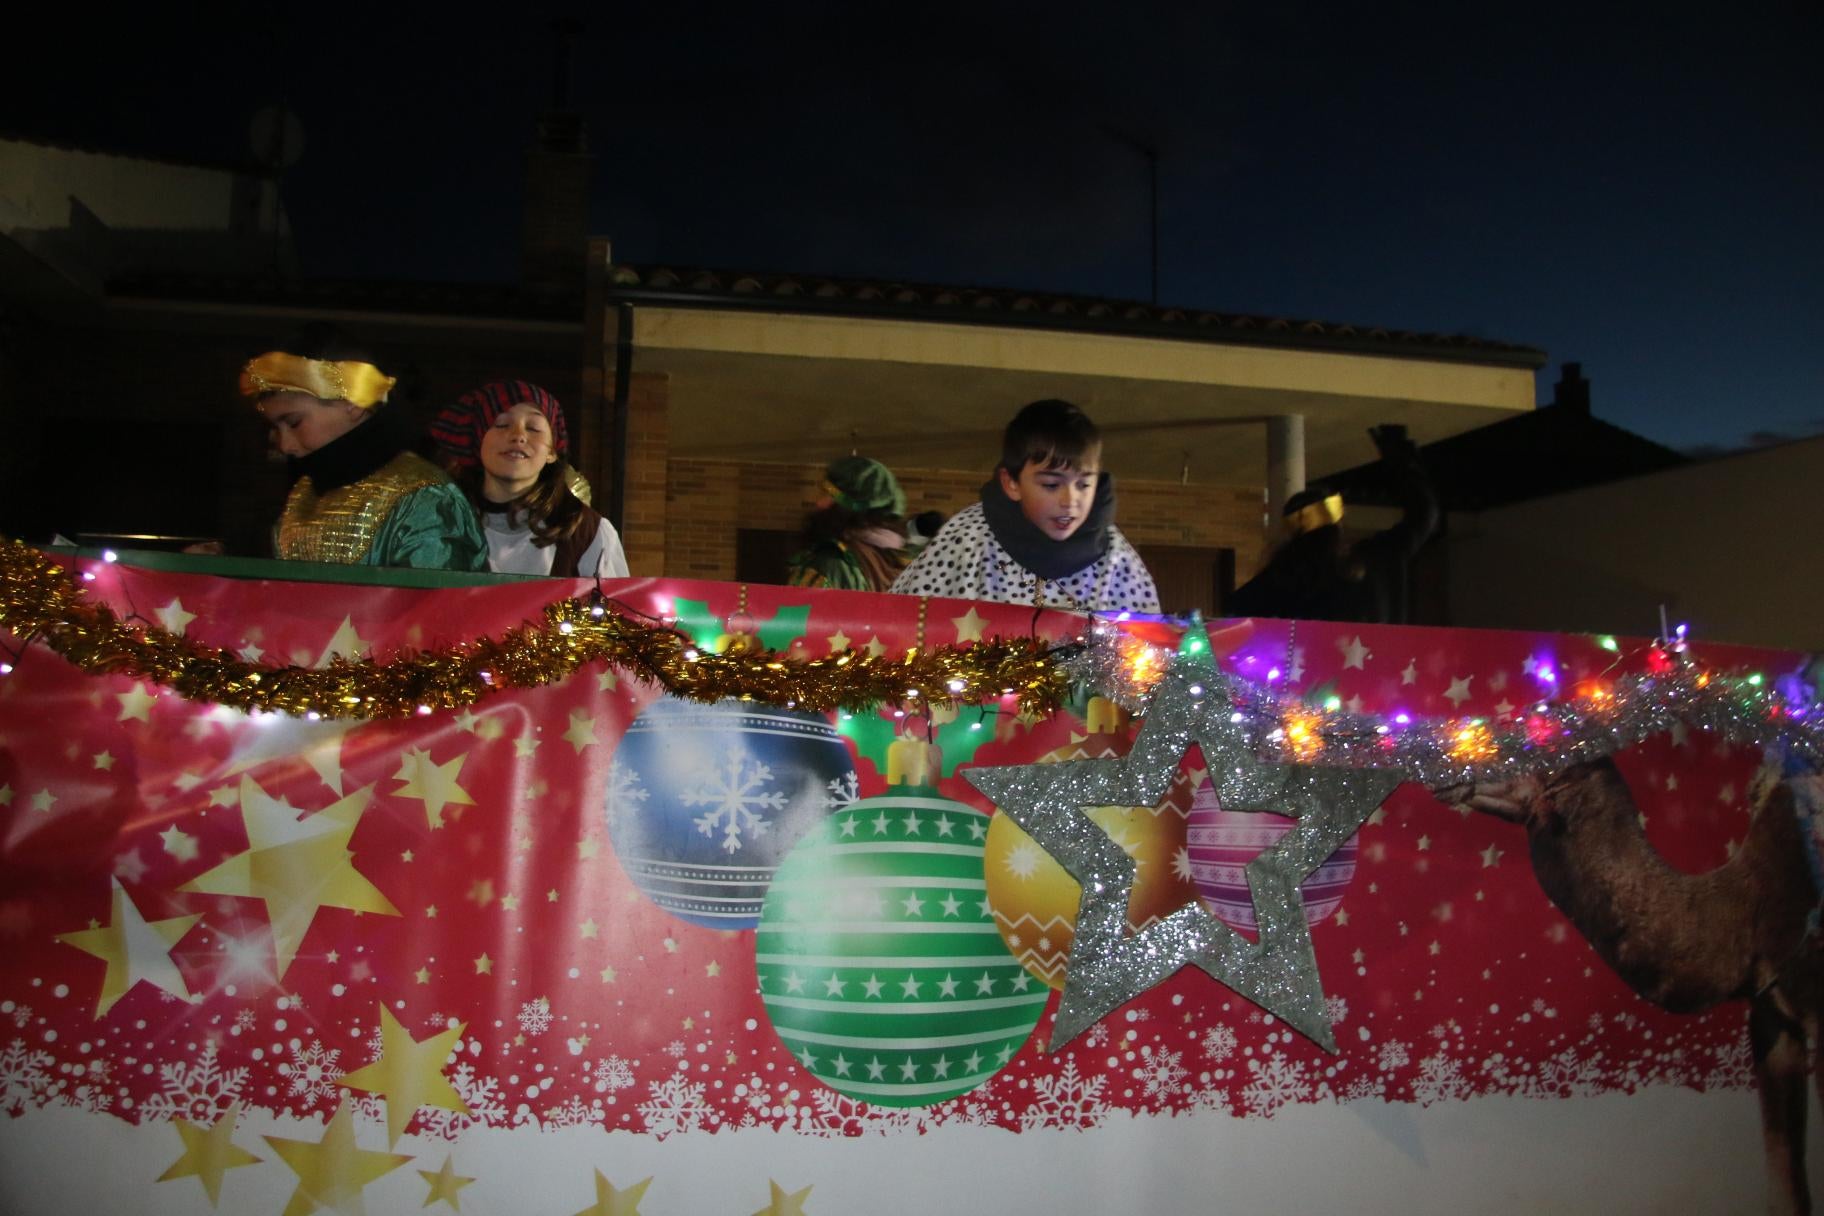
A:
(1640, 192)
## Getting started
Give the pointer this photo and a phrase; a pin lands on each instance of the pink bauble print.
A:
(1222, 843)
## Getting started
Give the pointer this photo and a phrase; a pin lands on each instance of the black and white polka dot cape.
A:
(964, 561)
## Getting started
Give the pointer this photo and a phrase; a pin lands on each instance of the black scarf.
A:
(352, 455)
(1037, 552)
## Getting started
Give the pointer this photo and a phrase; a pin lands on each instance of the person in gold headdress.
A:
(359, 495)
(1317, 575)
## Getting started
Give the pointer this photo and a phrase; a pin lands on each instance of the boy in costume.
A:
(359, 497)
(1043, 532)
(853, 540)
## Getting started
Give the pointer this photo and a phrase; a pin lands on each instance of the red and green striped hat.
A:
(458, 428)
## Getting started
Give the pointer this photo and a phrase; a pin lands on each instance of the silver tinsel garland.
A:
(1594, 718)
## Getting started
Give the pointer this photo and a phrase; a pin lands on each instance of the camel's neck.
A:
(1680, 940)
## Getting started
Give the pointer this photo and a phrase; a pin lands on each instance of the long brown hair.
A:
(548, 506)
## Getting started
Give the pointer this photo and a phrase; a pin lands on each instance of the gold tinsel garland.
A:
(40, 601)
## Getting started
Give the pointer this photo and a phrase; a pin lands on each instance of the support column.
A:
(1285, 464)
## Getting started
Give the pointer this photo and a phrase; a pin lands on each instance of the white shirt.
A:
(511, 551)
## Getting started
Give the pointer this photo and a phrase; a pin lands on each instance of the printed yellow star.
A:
(509, 903)
(612, 1201)
(875, 646)
(1424, 843)
(607, 975)
(481, 892)
(406, 857)
(466, 720)
(523, 843)
(689, 1023)
(297, 864)
(551, 896)
(1491, 856)
(104, 761)
(1342, 916)
(209, 1152)
(671, 945)
(135, 703)
(430, 910)
(444, 1183)
(606, 681)
(524, 746)
(423, 975)
(712, 969)
(432, 783)
(173, 617)
(969, 626)
(408, 1074)
(491, 729)
(588, 847)
(43, 800)
(134, 949)
(838, 641)
(484, 965)
(588, 929)
(179, 844)
(581, 733)
(345, 642)
(333, 1171)
(224, 795)
(783, 1204)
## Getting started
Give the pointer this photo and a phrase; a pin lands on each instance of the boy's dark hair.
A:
(1052, 433)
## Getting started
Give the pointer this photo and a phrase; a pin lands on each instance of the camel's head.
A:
(1541, 802)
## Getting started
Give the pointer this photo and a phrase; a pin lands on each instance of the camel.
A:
(1687, 942)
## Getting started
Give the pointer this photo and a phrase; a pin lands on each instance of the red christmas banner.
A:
(735, 954)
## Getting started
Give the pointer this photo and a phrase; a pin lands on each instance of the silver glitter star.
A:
(1108, 964)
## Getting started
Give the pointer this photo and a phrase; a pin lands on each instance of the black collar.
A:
(1039, 553)
(351, 456)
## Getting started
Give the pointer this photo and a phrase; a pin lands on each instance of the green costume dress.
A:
(360, 501)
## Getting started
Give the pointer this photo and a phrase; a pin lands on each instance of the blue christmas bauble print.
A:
(705, 800)
(878, 958)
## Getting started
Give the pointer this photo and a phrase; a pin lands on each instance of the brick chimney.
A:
(1572, 392)
(554, 236)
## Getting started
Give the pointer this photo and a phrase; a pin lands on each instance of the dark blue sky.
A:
(1637, 191)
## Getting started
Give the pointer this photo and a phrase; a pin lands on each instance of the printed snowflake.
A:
(1734, 1065)
(624, 788)
(21, 1015)
(1163, 1073)
(245, 1020)
(487, 1107)
(676, 1106)
(1361, 1088)
(197, 1092)
(832, 1114)
(313, 1072)
(843, 790)
(1066, 1100)
(1277, 1080)
(572, 1114)
(1097, 1036)
(535, 1016)
(612, 1074)
(25, 1077)
(1394, 1054)
(734, 793)
(1440, 1077)
(1336, 1009)
(675, 1049)
(1567, 1075)
(1219, 1042)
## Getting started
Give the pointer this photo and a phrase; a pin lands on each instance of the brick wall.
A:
(707, 501)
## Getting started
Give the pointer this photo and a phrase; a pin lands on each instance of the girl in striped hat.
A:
(507, 440)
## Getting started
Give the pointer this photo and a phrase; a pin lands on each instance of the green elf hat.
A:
(864, 486)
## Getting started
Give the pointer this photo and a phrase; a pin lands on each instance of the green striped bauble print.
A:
(878, 957)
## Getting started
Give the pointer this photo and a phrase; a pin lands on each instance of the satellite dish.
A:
(277, 138)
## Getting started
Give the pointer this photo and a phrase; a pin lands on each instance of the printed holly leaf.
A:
(784, 627)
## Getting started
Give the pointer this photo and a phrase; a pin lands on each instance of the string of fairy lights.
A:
(1641, 693)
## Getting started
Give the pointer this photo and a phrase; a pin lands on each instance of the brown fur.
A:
(1687, 942)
